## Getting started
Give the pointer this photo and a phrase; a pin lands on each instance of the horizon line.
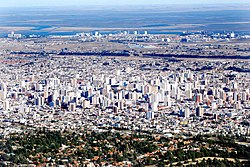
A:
(124, 5)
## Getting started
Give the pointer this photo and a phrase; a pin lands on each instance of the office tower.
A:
(187, 112)
(166, 86)
(225, 80)
(58, 102)
(77, 76)
(38, 87)
(95, 100)
(3, 91)
(147, 89)
(154, 106)
(237, 105)
(214, 105)
(160, 96)
(120, 95)
(22, 84)
(138, 95)
(149, 115)
(145, 106)
(134, 96)
(216, 117)
(235, 85)
(11, 35)
(128, 69)
(73, 82)
(199, 111)
(235, 96)
(106, 102)
(167, 100)
(118, 72)
(173, 91)
(14, 95)
(188, 86)
(39, 101)
(243, 96)
(198, 98)
(112, 81)
(86, 104)
(72, 107)
(3, 95)
(121, 105)
(56, 82)
(107, 89)
(46, 92)
(6, 105)
(3, 86)
(97, 34)
(188, 94)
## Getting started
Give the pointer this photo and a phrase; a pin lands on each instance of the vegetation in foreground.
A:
(68, 148)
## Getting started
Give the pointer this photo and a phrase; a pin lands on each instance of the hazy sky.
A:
(29, 3)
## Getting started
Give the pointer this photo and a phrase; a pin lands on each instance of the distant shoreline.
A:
(70, 31)
(154, 19)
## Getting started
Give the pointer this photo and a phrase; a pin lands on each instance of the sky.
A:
(38, 3)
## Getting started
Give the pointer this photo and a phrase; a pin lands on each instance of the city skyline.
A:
(47, 3)
(122, 83)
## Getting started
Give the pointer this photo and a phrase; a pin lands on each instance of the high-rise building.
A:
(86, 104)
(72, 107)
(149, 115)
(187, 112)
(154, 106)
(6, 105)
(199, 111)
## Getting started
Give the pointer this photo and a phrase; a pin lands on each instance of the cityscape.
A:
(125, 97)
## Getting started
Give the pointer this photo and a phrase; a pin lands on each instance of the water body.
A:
(40, 27)
(155, 20)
